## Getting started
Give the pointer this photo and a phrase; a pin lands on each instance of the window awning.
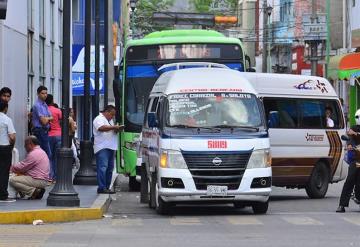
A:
(333, 68)
(344, 66)
(349, 66)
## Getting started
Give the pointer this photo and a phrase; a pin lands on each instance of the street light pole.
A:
(63, 194)
(86, 174)
(133, 7)
(268, 10)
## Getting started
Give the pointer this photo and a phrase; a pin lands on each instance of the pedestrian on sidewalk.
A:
(32, 173)
(72, 127)
(5, 94)
(54, 134)
(41, 118)
(7, 141)
(105, 145)
(353, 178)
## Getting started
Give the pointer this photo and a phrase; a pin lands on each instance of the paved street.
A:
(292, 220)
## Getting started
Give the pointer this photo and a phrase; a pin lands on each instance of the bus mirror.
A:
(152, 120)
(117, 95)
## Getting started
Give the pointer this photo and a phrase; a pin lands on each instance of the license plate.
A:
(214, 190)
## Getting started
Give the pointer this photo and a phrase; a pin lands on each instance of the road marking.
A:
(25, 235)
(185, 221)
(127, 222)
(302, 221)
(353, 220)
(244, 220)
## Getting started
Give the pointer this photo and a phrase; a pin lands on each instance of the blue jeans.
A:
(43, 137)
(104, 167)
(55, 143)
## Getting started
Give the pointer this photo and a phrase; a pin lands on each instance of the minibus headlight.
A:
(260, 159)
(172, 159)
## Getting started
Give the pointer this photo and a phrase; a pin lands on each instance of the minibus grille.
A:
(217, 168)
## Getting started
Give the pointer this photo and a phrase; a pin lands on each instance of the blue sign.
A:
(78, 84)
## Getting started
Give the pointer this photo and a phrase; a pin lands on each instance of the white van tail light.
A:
(172, 159)
(260, 159)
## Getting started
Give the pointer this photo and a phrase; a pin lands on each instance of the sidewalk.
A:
(92, 206)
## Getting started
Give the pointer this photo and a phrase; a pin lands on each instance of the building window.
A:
(30, 94)
(52, 20)
(353, 3)
(52, 86)
(42, 17)
(42, 75)
(75, 10)
(240, 21)
(52, 65)
(60, 62)
(30, 53)
(30, 14)
(60, 29)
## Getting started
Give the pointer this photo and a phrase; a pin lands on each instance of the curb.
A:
(96, 211)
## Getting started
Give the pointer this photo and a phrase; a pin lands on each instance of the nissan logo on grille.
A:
(217, 161)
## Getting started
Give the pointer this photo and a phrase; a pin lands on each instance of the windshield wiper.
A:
(181, 126)
(236, 127)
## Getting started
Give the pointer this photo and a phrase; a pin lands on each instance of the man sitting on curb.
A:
(33, 172)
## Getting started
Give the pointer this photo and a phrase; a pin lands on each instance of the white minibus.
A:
(305, 121)
(204, 139)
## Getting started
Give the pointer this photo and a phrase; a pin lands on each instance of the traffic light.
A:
(115, 38)
(225, 19)
(3, 4)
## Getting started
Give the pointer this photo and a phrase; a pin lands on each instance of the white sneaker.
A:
(8, 200)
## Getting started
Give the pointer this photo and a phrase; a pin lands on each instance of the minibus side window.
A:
(311, 114)
(281, 113)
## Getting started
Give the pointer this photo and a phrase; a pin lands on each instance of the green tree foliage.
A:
(143, 16)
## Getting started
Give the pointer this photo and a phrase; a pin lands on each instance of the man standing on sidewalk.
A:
(105, 145)
(7, 141)
(41, 118)
(5, 94)
(33, 172)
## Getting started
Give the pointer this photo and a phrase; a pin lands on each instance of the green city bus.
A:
(138, 72)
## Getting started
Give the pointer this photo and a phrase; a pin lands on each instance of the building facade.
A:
(30, 56)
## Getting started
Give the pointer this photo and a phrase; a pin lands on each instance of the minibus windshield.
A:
(201, 110)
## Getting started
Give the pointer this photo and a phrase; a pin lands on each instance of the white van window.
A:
(302, 113)
(213, 109)
(281, 113)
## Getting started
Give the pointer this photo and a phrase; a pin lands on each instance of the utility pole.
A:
(264, 48)
(109, 60)
(314, 43)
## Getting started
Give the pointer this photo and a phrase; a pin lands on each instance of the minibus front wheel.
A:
(318, 183)
(260, 207)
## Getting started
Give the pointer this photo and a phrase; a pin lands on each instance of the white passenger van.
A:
(306, 148)
(204, 138)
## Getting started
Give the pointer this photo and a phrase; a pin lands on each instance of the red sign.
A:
(217, 144)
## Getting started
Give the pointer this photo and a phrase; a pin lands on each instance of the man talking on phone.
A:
(105, 145)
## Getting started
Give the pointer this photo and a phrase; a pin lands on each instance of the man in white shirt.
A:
(7, 141)
(105, 145)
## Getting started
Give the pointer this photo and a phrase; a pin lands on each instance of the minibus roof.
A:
(197, 80)
(287, 85)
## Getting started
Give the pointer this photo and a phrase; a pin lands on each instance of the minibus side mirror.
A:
(345, 138)
(152, 120)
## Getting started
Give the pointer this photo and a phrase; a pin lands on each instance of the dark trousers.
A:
(352, 179)
(43, 137)
(5, 163)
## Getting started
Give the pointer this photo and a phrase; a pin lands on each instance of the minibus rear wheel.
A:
(319, 181)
